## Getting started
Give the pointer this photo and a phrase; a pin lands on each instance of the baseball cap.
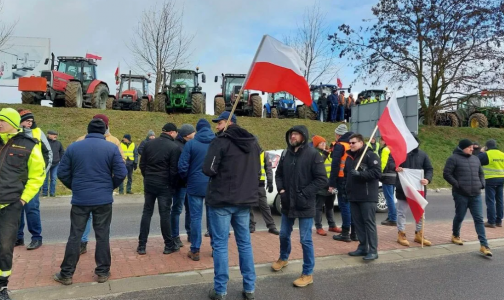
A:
(224, 116)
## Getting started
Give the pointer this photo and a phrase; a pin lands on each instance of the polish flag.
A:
(414, 191)
(339, 83)
(277, 67)
(93, 56)
(395, 133)
(116, 74)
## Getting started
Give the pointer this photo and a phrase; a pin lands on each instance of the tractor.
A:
(183, 93)
(372, 96)
(133, 93)
(280, 105)
(250, 104)
(72, 83)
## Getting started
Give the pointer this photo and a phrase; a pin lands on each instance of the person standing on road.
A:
(150, 136)
(362, 191)
(131, 153)
(300, 175)
(21, 177)
(492, 161)
(388, 180)
(322, 106)
(464, 173)
(190, 168)
(159, 166)
(49, 187)
(91, 169)
(32, 209)
(232, 163)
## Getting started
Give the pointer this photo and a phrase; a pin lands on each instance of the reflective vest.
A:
(129, 151)
(37, 134)
(263, 171)
(327, 165)
(341, 172)
(377, 150)
(495, 167)
(384, 157)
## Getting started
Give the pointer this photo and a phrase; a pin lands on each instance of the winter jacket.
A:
(44, 145)
(142, 145)
(301, 174)
(322, 102)
(57, 151)
(111, 139)
(92, 169)
(232, 163)
(416, 160)
(190, 164)
(333, 100)
(325, 190)
(159, 162)
(336, 155)
(363, 188)
(483, 157)
(268, 168)
(464, 173)
(389, 175)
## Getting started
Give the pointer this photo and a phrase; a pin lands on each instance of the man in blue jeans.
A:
(492, 161)
(232, 163)
(300, 175)
(464, 173)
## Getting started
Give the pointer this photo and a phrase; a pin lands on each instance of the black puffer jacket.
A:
(363, 188)
(416, 160)
(301, 174)
(464, 173)
(159, 162)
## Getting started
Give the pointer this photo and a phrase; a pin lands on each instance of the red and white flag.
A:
(339, 83)
(395, 133)
(414, 191)
(116, 74)
(93, 56)
(277, 67)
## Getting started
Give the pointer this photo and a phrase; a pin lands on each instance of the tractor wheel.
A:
(454, 120)
(160, 103)
(73, 94)
(100, 96)
(305, 112)
(144, 104)
(219, 106)
(110, 100)
(27, 98)
(197, 104)
(478, 120)
(256, 106)
(274, 113)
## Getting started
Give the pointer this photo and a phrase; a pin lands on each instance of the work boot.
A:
(214, 296)
(83, 247)
(335, 229)
(418, 238)
(171, 249)
(353, 237)
(457, 240)
(248, 296)
(485, 250)
(401, 239)
(303, 280)
(178, 242)
(344, 236)
(387, 222)
(193, 256)
(141, 250)
(321, 232)
(4, 295)
(34, 245)
(102, 278)
(279, 265)
(19, 242)
(63, 280)
(274, 231)
(489, 225)
(252, 229)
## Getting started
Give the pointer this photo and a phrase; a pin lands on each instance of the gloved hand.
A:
(270, 188)
(135, 166)
(355, 173)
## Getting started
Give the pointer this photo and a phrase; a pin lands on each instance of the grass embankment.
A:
(70, 123)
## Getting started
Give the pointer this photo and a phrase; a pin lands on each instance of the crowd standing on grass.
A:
(227, 172)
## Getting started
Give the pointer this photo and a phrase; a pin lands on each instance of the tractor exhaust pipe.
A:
(129, 81)
(52, 61)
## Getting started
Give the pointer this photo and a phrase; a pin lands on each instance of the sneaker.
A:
(83, 247)
(457, 240)
(321, 232)
(63, 280)
(303, 280)
(248, 296)
(214, 296)
(274, 231)
(193, 256)
(252, 229)
(4, 295)
(178, 242)
(102, 278)
(141, 250)
(485, 250)
(387, 222)
(19, 242)
(279, 265)
(34, 245)
(171, 249)
(335, 229)
(207, 234)
(489, 225)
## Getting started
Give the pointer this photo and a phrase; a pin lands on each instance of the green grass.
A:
(71, 123)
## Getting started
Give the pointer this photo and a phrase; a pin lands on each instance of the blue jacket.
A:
(191, 160)
(92, 169)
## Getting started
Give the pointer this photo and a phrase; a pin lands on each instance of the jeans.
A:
(130, 180)
(402, 209)
(388, 191)
(53, 174)
(343, 203)
(178, 204)
(187, 216)
(238, 217)
(305, 234)
(101, 225)
(9, 218)
(493, 199)
(265, 211)
(333, 112)
(475, 206)
(196, 210)
(328, 202)
(364, 220)
(32, 210)
(164, 197)
(85, 236)
(341, 113)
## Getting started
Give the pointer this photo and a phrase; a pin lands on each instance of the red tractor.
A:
(133, 93)
(72, 83)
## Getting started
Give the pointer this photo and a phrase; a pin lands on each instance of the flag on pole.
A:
(339, 83)
(277, 67)
(395, 133)
(414, 191)
(117, 74)
(93, 56)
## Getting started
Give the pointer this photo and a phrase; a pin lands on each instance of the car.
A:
(273, 199)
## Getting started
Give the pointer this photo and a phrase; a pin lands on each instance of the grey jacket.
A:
(46, 147)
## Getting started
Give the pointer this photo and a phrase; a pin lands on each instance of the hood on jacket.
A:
(346, 137)
(204, 135)
(298, 128)
(180, 139)
(460, 152)
(202, 123)
(243, 139)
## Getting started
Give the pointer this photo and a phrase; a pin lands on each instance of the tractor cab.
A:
(249, 104)
(183, 92)
(371, 96)
(77, 68)
(182, 80)
(231, 86)
(133, 86)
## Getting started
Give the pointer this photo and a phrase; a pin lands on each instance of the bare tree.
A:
(6, 29)
(160, 41)
(311, 43)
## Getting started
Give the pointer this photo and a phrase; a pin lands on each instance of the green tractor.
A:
(250, 104)
(183, 93)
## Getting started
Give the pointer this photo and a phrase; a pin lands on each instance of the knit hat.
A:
(317, 139)
(127, 136)
(169, 127)
(202, 123)
(10, 116)
(52, 132)
(97, 126)
(465, 143)
(341, 130)
(102, 117)
(25, 115)
(491, 144)
(186, 129)
(151, 133)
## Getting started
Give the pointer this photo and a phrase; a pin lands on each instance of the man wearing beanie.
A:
(18, 185)
(131, 153)
(159, 166)
(150, 136)
(464, 173)
(91, 169)
(492, 160)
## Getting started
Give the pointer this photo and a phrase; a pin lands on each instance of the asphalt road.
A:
(459, 277)
(127, 213)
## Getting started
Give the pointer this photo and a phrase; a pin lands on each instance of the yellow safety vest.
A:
(263, 171)
(327, 165)
(377, 150)
(495, 167)
(129, 151)
(384, 158)
(37, 134)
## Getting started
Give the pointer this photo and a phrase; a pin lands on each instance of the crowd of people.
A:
(226, 172)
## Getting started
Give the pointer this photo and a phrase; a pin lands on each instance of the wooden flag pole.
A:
(365, 149)
(423, 224)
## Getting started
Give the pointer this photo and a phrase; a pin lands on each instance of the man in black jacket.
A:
(322, 106)
(300, 175)
(159, 167)
(49, 186)
(232, 163)
(362, 190)
(464, 173)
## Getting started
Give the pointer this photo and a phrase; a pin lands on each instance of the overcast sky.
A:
(227, 32)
